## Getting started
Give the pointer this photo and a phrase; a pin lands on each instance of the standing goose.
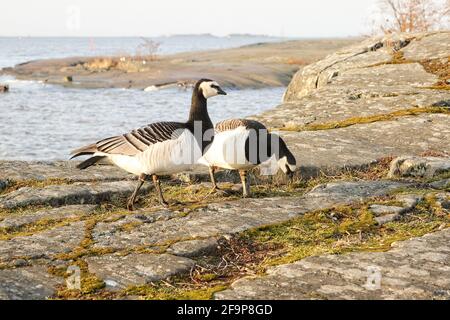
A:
(159, 148)
(241, 144)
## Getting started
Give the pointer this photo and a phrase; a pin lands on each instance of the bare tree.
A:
(412, 15)
(147, 49)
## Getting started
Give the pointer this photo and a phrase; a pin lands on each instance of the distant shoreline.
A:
(258, 65)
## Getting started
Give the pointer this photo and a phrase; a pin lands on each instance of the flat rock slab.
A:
(28, 283)
(418, 268)
(386, 213)
(349, 102)
(43, 244)
(345, 191)
(433, 46)
(362, 144)
(120, 272)
(66, 170)
(67, 212)
(236, 216)
(77, 193)
(419, 167)
(380, 210)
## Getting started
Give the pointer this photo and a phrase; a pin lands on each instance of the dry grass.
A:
(101, 64)
(434, 153)
(440, 68)
(297, 61)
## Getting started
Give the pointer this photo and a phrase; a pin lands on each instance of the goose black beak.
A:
(220, 91)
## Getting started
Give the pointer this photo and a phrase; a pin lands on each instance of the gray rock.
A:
(386, 213)
(320, 73)
(432, 46)
(409, 200)
(441, 184)
(237, 216)
(414, 269)
(28, 283)
(43, 245)
(443, 200)
(40, 171)
(408, 166)
(77, 193)
(362, 57)
(353, 191)
(3, 184)
(387, 218)
(110, 228)
(16, 221)
(380, 210)
(119, 272)
(363, 144)
(194, 248)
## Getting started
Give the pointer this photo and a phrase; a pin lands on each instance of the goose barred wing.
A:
(232, 124)
(135, 141)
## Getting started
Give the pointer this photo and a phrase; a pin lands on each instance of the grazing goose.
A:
(159, 148)
(241, 144)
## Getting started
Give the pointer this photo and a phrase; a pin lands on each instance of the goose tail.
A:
(89, 162)
(84, 151)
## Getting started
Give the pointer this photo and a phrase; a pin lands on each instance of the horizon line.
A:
(183, 35)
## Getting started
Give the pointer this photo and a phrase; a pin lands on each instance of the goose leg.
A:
(132, 199)
(157, 184)
(215, 188)
(245, 183)
(212, 170)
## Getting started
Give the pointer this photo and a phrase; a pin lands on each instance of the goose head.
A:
(286, 160)
(209, 88)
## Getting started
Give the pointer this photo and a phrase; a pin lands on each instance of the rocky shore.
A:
(367, 216)
(253, 66)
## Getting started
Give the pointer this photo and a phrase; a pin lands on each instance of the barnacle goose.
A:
(159, 148)
(241, 144)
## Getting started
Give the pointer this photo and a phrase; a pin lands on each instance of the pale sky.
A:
(296, 18)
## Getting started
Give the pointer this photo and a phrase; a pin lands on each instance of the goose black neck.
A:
(199, 116)
(199, 110)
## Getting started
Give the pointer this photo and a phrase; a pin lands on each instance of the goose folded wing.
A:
(232, 124)
(140, 139)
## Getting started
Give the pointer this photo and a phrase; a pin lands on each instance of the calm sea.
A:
(44, 122)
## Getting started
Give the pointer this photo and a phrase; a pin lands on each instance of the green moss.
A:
(208, 277)
(90, 283)
(15, 185)
(164, 292)
(343, 229)
(30, 229)
(368, 119)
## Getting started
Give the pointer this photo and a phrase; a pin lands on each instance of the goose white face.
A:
(285, 166)
(211, 89)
